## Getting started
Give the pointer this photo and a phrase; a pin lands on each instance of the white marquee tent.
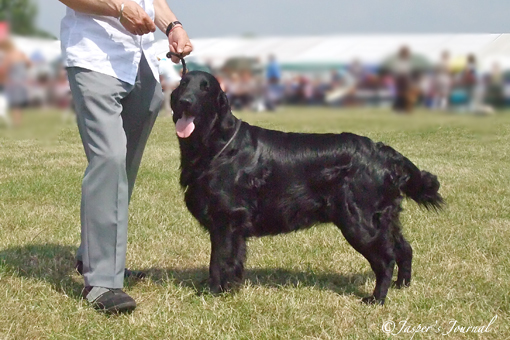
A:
(322, 50)
(343, 49)
(48, 50)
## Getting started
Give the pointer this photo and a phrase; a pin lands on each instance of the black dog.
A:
(242, 181)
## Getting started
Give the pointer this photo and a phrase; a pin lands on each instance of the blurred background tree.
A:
(21, 15)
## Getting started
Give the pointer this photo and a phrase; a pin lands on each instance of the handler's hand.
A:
(135, 20)
(179, 43)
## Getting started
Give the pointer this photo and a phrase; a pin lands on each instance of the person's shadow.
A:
(54, 263)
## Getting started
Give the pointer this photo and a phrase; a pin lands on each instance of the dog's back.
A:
(296, 180)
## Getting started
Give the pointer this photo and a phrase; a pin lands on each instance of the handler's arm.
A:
(131, 15)
(177, 38)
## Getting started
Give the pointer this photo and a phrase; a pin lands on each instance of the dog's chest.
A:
(207, 195)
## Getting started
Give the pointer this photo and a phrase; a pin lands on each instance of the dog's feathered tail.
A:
(421, 186)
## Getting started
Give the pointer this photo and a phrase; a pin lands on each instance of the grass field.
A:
(304, 285)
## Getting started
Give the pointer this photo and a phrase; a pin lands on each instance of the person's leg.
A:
(104, 207)
(141, 109)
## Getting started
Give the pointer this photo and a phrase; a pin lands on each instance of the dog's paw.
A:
(371, 300)
(401, 284)
(215, 290)
(214, 287)
(218, 289)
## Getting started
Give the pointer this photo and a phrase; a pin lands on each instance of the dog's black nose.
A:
(185, 102)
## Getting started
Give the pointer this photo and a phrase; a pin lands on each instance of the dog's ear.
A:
(223, 105)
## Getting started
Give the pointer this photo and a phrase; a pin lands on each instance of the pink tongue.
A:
(185, 127)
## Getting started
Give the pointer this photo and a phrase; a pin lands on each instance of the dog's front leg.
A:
(221, 268)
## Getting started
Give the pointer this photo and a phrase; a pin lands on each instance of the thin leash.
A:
(170, 54)
(238, 126)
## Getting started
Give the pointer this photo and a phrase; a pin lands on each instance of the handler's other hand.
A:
(179, 43)
(135, 20)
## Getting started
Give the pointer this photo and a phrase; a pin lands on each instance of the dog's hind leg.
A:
(404, 257)
(374, 242)
(402, 249)
(383, 263)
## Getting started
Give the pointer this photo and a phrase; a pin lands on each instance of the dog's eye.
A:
(204, 86)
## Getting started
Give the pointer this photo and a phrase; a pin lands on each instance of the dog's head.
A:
(198, 103)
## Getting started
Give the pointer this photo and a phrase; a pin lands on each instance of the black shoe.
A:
(113, 301)
(127, 273)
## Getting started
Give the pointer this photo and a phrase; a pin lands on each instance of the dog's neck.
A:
(205, 150)
(237, 127)
(226, 127)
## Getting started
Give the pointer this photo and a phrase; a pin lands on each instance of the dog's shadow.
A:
(196, 279)
(54, 263)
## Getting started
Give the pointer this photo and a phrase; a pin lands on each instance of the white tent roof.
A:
(46, 48)
(344, 49)
(332, 49)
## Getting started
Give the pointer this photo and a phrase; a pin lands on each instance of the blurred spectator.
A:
(506, 88)
(241, 90)
(273, 89)
(358, 73)
(405, 92)
(273, 71)
(369, 89)
(495, 87)
(16, 66)
(234, 90)
(469, 76)
(4, 115)
(248, 89)
(3, 110)
(60, 93)
(340, 85)
(475, 88)
(40, 88)
(367, 85)
(386, 89)
(290, 89)
(306, 90)
(441, 83)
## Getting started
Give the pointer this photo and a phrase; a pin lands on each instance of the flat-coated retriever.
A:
(242, 181)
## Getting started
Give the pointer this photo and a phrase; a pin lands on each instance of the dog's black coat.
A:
(269, 182)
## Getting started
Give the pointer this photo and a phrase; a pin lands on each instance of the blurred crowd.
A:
(29, 81)
(403, 82)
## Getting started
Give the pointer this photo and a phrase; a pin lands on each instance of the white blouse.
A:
(102, 44)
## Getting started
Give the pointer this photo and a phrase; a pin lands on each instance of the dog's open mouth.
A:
(184, 126)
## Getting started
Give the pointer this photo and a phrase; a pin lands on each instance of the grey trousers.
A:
(114, 120)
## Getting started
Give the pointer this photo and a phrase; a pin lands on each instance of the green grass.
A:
(305, 285)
